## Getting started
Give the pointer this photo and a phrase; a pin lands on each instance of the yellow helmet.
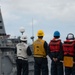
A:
(40, 33)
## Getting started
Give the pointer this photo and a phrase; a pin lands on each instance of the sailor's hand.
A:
(61, 61)
(55, 59)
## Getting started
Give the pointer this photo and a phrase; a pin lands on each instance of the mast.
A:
(2, 28)
(32, 37)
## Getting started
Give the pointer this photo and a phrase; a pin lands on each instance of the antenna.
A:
(22, 30)
(32, 27)
(32, 37)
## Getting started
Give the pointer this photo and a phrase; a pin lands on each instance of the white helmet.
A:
(70, 36)
(23, 38)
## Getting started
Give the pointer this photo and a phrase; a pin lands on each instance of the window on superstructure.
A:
(0, 27)
(0, 21)
(3, 42)
(16, 41)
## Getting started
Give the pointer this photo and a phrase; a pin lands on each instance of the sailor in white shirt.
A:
(22, 51)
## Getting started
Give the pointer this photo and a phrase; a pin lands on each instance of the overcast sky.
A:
(48, 15)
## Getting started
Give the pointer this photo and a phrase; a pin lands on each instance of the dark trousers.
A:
(40, 66)
(57, 68)
(22, 67)
(70, 71)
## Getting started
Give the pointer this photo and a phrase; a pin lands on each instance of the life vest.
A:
(39, 50)
(54, 45)
(22, 50)
(68, 47)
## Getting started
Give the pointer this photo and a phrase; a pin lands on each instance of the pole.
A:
(32, 37)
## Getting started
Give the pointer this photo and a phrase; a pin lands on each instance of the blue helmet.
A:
(56, 33)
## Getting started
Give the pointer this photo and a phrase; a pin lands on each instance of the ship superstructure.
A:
(7, 54)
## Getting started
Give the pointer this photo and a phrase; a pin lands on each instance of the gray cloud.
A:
(50, 9)
(49, 15)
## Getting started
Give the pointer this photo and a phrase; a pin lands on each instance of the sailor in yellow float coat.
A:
(41, 50)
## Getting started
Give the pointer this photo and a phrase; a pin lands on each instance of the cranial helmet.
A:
(23, 38)
(40, 33)
(56, 33)
(70, 36)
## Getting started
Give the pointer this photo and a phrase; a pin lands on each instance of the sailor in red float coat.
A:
(56, 54)
(69, 51)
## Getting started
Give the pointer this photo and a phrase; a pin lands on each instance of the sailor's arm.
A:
(29, 51)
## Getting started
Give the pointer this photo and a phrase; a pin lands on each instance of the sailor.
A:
(56, 54)
(69, 54)
(23, 51)
(40, 52)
